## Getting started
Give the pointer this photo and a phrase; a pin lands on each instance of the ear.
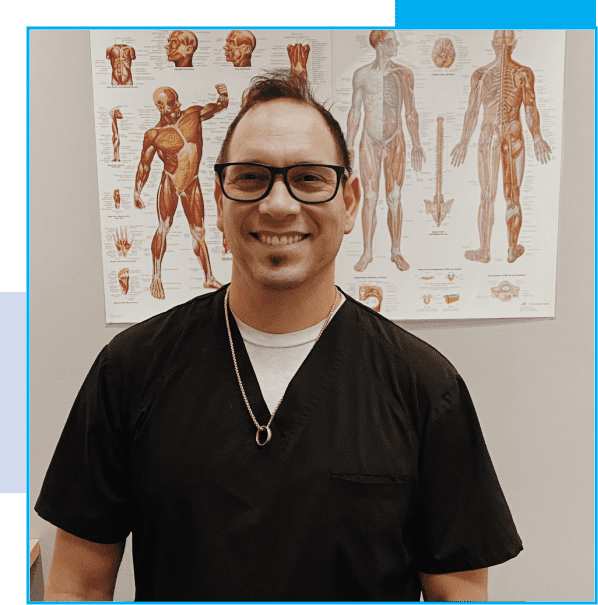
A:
(351, 197)
(218, 197)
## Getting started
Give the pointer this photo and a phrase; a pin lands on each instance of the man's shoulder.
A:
(163, 331)
(400, 347)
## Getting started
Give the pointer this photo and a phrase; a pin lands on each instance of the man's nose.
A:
(279, 203)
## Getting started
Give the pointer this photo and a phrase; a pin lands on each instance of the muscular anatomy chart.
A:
(413, 105)
(501, 87)
(383, 88)
(178, 141)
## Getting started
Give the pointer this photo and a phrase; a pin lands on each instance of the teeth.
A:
(284, 240)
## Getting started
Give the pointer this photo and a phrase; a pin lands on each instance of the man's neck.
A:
(281, 311)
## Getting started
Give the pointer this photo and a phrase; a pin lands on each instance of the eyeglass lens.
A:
(247, 182)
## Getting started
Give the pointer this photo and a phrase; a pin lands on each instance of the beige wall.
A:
(532, 381)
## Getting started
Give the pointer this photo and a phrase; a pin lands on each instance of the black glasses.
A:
(309, 183)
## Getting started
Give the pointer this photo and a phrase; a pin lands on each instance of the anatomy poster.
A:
(455, 136)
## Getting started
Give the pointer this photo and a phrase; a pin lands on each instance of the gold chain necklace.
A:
(264, 428)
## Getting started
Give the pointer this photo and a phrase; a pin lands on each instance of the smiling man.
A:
(276, 440)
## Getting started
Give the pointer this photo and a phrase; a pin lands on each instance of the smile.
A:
(285, 239)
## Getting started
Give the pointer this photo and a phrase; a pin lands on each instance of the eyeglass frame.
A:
(341, 172)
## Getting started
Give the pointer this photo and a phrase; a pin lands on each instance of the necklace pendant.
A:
(268, 435)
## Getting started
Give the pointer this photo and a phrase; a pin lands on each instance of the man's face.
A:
(175, 49)
(282, 133)
(168, 104)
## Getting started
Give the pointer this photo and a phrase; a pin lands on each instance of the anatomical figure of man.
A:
(383, 88)
(501, 87)
(178, 140)
(180, 47)
(239, 46)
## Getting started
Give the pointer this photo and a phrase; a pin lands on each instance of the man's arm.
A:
(145, 165)
(471, 118)
(412, 119)
(83, 570)
(354, 114)
(457, 586)
(525, 78)
(211, 109)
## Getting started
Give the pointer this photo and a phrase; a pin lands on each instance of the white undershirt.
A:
(277, 357)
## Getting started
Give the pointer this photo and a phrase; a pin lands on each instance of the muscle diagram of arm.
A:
(116, 196)
(438, 208)
(375, 292)
(501, 88)
(121, 56)
(178, 141)
(382, 89)
(115, 115)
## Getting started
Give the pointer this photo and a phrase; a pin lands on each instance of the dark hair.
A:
(282, 85)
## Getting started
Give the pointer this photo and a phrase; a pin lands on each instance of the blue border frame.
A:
(529, 12)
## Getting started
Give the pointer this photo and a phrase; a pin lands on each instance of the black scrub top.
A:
(377, 469)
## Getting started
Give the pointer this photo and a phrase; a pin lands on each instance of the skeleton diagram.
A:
(240, 43)
(121, 56)
(180, 48)
(383, 87)
(501, 87)
(178, 140)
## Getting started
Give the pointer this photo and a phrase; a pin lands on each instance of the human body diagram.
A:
(178, 141)
(383, 88)
(501, 87)
(115, 115)
(121, 57)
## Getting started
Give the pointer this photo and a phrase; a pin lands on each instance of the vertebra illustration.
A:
(439, 208)
(505, 291)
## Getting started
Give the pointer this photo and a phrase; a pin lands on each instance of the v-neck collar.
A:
(305, 389)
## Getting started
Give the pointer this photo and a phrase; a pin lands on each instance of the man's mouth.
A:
(280, 239)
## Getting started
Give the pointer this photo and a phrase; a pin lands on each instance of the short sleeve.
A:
(86, 488)
(465, 522)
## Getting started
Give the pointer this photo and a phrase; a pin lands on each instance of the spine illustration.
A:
(439, 208)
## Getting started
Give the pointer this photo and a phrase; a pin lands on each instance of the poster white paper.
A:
(455, 135)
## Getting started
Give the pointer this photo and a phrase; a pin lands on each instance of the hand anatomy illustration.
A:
(178, 140)
(116, 196)
(375, 292)
(180, 48)
(115, 115)
(438, 208)
(383, 87)
(121, 56)
(443, 52)
(239, 46)
(501, 87)
(505, 291)
(121, 241)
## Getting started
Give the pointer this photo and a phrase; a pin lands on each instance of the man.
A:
(239, 46)
(241, 436)
(383, 87)
(180, 48)
(501, 87)
(178, 140)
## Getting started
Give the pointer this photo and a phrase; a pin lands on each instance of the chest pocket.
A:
(372, 517)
